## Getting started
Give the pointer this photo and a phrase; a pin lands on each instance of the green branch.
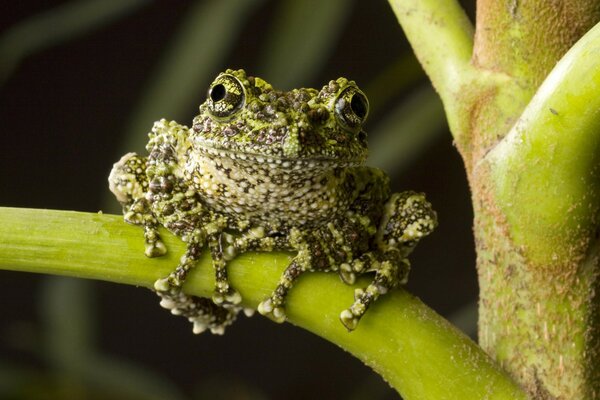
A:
(546, 171)
(442, 37)
(413, 348)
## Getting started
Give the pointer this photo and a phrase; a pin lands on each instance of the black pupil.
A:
(358, 105)
(217, 93)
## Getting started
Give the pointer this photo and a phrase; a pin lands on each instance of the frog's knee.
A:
(407, 218)
(127, 179)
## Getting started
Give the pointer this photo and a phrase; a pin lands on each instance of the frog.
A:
(262, 169)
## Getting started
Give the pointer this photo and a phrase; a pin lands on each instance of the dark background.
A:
(65, 109)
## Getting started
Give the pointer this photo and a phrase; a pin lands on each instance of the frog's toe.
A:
(349, 320)
(162, 285)
(275, 313)
(233, 297)
(230, 297)
(346, 274)
(155, 249)
(199, 327)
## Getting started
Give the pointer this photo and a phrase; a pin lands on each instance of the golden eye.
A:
(226, 96)
(351, 108)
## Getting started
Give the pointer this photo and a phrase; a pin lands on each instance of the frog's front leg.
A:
(129, 183)
(274, 306)
(321, 248)
(390, 269)
(407, 218)
(202, 312)
(224, 294)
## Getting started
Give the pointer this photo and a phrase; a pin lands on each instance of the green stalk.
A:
(545, 179)
(559, 132)
(446, 59)
(413, 348)
(534, 170)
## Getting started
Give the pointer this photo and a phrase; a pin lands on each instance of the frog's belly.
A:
(274, 204)
(258, 192)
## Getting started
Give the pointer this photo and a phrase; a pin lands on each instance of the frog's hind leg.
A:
(407, 218)
(312, 255)
(129, 183)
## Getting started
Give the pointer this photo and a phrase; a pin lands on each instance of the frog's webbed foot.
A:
(408, 217)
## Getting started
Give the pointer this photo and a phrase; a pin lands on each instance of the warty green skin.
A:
(264, 170)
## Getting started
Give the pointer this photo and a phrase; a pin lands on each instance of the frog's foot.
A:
(139, 213)
(200, 311)
(273, 309)
(408, 217)
(154, 247)
(274, 306)
(226, 296)
(362, 299)
(128, 180)
(389, 274)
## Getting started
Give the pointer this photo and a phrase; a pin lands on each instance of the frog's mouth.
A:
(276, 161)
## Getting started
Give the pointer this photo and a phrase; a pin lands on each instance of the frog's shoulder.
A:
(166, 133)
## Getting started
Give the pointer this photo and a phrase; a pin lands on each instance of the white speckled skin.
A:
(260, 170)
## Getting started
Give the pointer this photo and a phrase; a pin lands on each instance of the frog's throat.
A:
(285, 163)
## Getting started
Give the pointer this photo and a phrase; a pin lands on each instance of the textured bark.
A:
(532, 156)
(538, 312)
(539, 321)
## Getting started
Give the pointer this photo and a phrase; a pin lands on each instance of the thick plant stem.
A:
(445, 59)
(524, 39)
(521, 41)
(546, 271)
(534, 169)
(413, 348)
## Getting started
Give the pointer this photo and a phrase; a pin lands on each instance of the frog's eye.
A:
(351, 108)
(226, 96)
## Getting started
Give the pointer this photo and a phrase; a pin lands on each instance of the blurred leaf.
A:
(407, 131)
(302, 40)
(394, 79)
(11, 377)
(226, 388)
(195, 56)
(104, 379)
(125, 380)
(63, 22)
(66, 306)
(68, 316)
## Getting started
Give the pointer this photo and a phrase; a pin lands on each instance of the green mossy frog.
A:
(261, 170)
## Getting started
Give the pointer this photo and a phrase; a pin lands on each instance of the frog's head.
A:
(246, 119)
